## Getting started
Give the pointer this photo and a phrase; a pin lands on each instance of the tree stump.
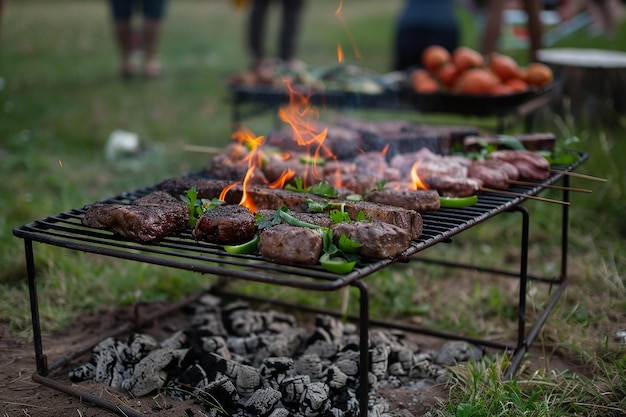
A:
(590, 83)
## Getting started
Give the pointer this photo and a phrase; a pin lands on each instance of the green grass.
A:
(60, 99)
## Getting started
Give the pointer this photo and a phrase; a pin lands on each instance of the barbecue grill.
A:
(183, 252)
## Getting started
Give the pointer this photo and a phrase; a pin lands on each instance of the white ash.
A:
(243, 362)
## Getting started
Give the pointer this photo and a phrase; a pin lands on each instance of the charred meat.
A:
(225, 225)
(147, 219)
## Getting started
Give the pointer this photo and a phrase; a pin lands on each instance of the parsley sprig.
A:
(198, 206)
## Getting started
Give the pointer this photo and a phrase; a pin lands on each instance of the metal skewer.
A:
(532, 197)
(577, 175)
(556, 187)
(203, 149)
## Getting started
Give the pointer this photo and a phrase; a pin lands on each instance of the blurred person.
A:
(256, 30)
(420, 24)
(493, 26)
(152, 12)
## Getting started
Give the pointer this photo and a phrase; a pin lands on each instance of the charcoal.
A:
(248, 380)
(210, 323)
(286, 343)
(335, 378)
(224, 392)
(152, 372)
(109, 362)
(194, 376)
(275, 369)
(348, 363)
(262, 402)
(292, 389)
(280, 412)
(379, 356)
(176, 341)
(310, 365)
(245, 345)
(217, 345)
(455, 352)
(138, 346)
(315, 401)
(319, 376)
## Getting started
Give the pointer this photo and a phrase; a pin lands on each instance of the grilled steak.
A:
(147, 219)
(418, 200)
(511, 171)
(225, 225)
(448, 186)
(531, 165)
(380, 240)
(491, 177)
(291, 244)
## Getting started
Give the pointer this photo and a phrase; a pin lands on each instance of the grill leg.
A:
(523, 275)
(363, 391)
(40, 359)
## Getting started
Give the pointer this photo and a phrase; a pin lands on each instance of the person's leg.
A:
(289, 29)
(256, 31)
(121, 12)
(153, 11)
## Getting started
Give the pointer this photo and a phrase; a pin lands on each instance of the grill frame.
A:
(183, 252)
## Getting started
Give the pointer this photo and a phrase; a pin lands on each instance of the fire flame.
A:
(284, 177)
(301, 116)
(416, 181)
(246, 138)
(339, 54)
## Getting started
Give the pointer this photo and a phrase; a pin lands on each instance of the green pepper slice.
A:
(338, 265)
(458, 202)
(244, 248)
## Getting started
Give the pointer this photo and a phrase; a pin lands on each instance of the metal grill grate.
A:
(184, 252)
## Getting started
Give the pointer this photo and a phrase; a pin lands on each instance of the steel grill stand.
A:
(183, 252)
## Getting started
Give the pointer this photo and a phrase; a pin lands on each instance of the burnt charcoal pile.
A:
(239, 361)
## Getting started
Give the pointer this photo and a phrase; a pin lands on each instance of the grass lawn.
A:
(61, 98)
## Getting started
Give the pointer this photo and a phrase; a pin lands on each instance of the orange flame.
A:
(226, 190)
(246, 138)
(343, 22)
(284, 177)
(339, 54)
(416, 181)
(301, 117)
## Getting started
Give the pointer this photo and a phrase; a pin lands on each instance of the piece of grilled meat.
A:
(379, 240)
(418, 200)
(285, 243)
(225, 225)
(146, 219)
(531, 165)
